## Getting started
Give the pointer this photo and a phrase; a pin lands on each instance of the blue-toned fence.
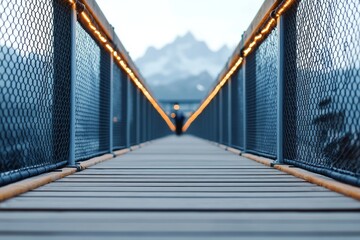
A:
(39, 114)
(296, 97)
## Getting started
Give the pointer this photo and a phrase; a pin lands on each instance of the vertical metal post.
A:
(111, 105)
(138, 116)
(143, 119)
(214, 120)
(220, 117)
(229, 112)
(148, 122)
(128, 111)
(71, 161)
(151, 137)
(244, 107)
(280, 92)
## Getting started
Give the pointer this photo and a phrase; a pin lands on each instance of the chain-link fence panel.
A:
(34, 87)
(217, 117)
(261, 97)
(322, 93)
(210, 121)
(132, 114)
(119, 107)
(225, 113)
(92, 96)
(142, 119)
(237, 109)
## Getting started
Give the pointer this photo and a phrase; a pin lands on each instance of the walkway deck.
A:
(180, 188)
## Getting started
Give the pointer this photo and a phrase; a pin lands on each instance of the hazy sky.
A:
(143, 23)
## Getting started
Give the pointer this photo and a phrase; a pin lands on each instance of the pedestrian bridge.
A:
(87, 151)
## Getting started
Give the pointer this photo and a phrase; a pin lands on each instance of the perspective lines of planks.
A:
(180, 188)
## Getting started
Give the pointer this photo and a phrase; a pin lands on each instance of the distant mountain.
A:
(191, 87)
(183, 69)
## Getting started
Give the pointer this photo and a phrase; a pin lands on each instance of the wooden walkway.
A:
(180, 188)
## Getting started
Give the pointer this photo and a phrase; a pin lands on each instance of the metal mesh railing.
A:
(322, 68)
(119, 107)
(132, 114)
(237, 109)
(34, 88)
(261, 86)
(37, 85)
(92, 91)
(309, 66)
(225, 115)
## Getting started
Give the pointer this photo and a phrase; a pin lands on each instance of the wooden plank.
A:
(182, 216)
(325, 228)
(181, 176)
(180, 188)
(190, 204)
(112, 194)
(184, 189)
(180, 184)
(177, 180)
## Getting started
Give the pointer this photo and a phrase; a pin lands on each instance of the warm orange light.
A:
(258, 37)
(102, 38)
(247, 50)
(176, 107)
(268, 26)
(85, 17)
(252, 44)
(173, 115)
(92, 27)
(284, 7)
(123, 64)
(109, 47)
(127, 69)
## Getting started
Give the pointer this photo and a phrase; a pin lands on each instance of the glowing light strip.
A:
(269, 26)
(124, 66)
(212, 95)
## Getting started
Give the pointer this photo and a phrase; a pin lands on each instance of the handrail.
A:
(260, 28)
(97, 24)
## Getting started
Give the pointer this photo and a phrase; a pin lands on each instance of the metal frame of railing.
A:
(103, 125)
(283, 118)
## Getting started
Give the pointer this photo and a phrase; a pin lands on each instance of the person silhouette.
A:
(179, 121)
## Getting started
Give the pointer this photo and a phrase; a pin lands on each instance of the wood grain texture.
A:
(180, 188)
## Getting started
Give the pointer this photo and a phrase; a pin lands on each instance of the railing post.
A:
(214, 119)
(111, 105)
(143, 119)
(220, 117)
(137, 116)
(128, 111)
(280, 92)
(71, 160)
(244, 107)
(229, 112)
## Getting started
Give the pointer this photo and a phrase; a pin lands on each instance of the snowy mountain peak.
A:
(187, 38)
(181, 60)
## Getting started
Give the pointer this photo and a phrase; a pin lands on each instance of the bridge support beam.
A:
(244, 107)
(229, 140)
(128, 112)
(137, 116)
(221, 111)
(111, 104)
(71, 160)
(280, 92)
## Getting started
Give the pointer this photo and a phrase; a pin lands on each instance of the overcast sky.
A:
(143, 23)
